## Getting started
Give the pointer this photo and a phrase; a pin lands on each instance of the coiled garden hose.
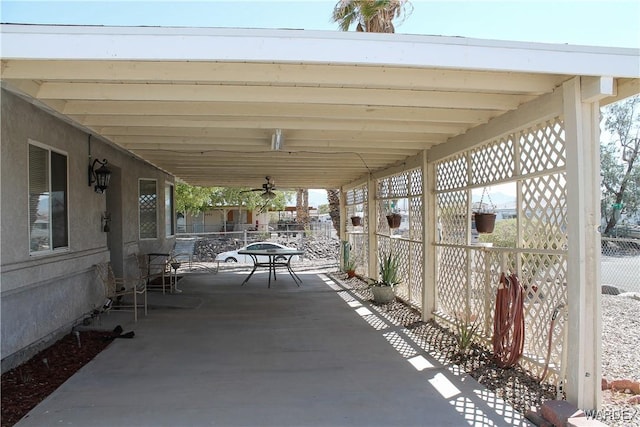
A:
(508, 321)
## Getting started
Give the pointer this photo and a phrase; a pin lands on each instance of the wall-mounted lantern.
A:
(100, 176)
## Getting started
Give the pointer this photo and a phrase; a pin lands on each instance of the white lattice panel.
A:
(356, 199)
(451, 279)
(400, 185)
(544, 219)
(535, 157)
(452, 173)
(416, 181)
(493, 162)
(416, 221)
(416, 273)
(400, 249)
(403, 193)
(384, 246)
(452, 217)
(542, 148)
(359, 251)
(544, 278)
(349, 197)
(477, 295)
(382, 224)
(365, 210)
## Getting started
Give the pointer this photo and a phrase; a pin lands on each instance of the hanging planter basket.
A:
(394, 220)
(485, 222)
(356, 221)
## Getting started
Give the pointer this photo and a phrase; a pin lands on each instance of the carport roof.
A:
(203, 103)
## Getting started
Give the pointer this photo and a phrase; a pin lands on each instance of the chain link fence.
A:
(204, 247)
(620, 265)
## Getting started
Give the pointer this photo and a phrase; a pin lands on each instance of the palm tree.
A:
(302, 207)
(372, 16)
(333, 197)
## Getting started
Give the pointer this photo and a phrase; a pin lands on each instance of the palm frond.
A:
(370, 15)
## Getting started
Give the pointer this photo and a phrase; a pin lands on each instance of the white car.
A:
(233, 256)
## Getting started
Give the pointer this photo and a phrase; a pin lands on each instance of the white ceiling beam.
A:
(160, 108)
(162, 131)
(276, 95)
(347, 163)
(253, 123)
(265, 134)
(306, 145)
(375, 151)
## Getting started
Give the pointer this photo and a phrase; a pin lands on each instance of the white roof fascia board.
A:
(254, 45)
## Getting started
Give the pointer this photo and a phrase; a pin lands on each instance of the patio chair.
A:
(120, 291)
(183, 249)
(155, 268)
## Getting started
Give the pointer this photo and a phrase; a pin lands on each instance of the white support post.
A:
(429, 237)
(372, 226)
(583, 258)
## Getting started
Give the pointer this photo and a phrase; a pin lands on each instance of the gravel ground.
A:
(620, 357)
(620, 330)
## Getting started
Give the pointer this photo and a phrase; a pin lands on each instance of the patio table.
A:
(275, 258)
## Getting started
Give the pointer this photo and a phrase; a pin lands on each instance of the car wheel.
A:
(231, 259)
(281, 258)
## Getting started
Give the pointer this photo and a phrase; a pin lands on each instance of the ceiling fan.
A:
(267, 189)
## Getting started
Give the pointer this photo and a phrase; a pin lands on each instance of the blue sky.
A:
(586, 22)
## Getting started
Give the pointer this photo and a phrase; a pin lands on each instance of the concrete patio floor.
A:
(221, 354)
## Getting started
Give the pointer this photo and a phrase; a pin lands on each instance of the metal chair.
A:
(119, 289)
(156, 270)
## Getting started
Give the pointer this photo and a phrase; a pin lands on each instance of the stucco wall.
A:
(43, 296)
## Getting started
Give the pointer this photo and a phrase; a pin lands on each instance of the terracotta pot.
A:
(356, 221)
(485, 222)
(383, 294)
(351, 273)
(394, 220)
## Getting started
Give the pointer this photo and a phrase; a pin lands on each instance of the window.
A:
(169, 220)
(48, 198)
(148, 209)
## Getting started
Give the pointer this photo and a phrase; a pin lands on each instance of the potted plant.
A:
(356, 221)
(382, 289)
(485, 216)
(350, 267)
(349, 260)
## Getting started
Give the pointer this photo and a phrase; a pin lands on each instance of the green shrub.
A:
(504, 234)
